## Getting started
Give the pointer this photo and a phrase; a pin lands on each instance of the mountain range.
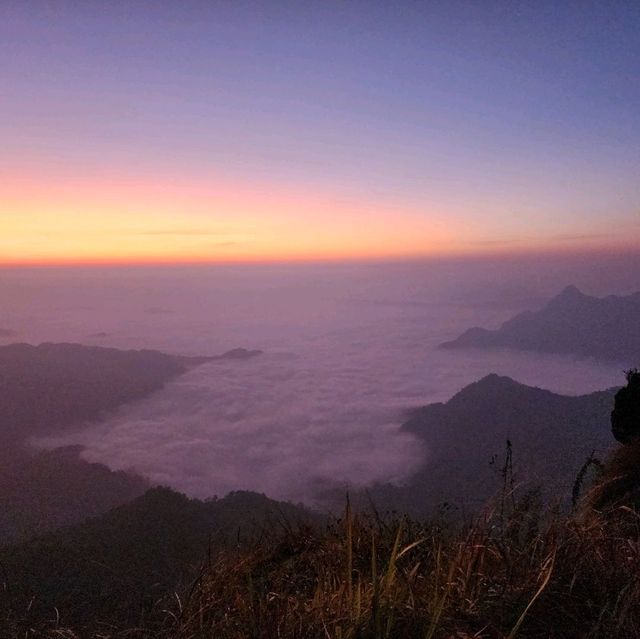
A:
(46, 388)
(550, 436)
(570, 323)
(98, 545)
(43, 491)
(49, 388)
(114, 566)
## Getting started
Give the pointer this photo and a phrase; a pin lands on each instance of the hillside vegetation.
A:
(116, 569)
(43, 491)
(516, 571)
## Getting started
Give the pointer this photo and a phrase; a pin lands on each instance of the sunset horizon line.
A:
(542, 252)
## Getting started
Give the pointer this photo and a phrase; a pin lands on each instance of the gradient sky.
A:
(197, 131)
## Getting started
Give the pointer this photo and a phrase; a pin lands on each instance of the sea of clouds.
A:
(348, 349)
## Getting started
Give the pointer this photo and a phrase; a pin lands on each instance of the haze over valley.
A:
(347, 351)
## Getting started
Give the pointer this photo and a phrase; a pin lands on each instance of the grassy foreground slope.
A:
(115, 570)
(514, 572)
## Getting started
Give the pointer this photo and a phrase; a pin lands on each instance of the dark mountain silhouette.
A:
(43, 491)
(118, 564)
(465, 438)
(46, 388)
(51, 387)
(572, 323)
(619, 488)
(625, 417)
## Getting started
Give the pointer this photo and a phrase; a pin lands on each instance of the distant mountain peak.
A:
(494, 377)
(569, 294)
(571, 323)
(489, 385)
(571, 291)
(493, 380)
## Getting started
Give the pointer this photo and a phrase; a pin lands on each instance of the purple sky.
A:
(234, 130)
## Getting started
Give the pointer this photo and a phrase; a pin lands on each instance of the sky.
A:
(240, 131)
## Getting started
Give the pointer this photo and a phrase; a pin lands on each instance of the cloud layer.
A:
(345, 357)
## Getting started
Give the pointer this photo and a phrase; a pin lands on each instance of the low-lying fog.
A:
(347, 350)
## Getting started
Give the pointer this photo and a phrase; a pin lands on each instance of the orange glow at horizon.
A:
(98, 220)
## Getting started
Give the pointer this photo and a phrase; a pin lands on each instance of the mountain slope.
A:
(571, 323)
(52, 386)
(46, 388)
(43, 491)
(119, 564)
(551, 437)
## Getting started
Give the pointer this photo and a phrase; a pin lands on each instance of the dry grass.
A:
(365, 578)
(619, 483)
(512, 573)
